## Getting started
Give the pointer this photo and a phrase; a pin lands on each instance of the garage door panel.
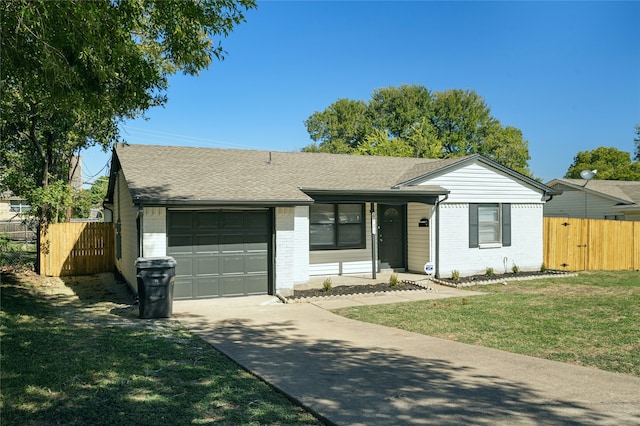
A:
(232, 243)
(256, 220)
(183, 288)
(233, 285)
(207, 266)
(256, 243)
(230, 220)
(256, 263)
(231, 265)
(180, 244)
(184, 266)
(206, 221)
(208, 243)
(254, 284)
(181, 220)
(208, 287)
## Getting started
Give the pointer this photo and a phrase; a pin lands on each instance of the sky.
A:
(567, 74)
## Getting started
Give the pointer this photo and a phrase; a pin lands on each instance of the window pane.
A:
(488, 233)
(322, 213)
(350, 213)
(488, 214)
(350, 235)
(321, 235)
(488, 223)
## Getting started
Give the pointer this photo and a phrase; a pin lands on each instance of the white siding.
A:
(338, 262)
(418, 252)
(571, 203)
(526, 249)
(154, 234)
(632, 215)
(478, 183)
(125, 212)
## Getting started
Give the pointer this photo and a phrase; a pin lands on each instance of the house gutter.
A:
(141, 230)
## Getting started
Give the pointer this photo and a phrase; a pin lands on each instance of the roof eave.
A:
(218, 203)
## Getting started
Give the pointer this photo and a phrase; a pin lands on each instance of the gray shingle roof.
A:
(173, 173)
(625, 191)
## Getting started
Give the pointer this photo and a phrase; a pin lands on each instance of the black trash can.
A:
(155, 276)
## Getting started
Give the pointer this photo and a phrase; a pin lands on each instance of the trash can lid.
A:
(155, 262)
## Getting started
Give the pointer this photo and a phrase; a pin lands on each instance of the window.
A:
(19, 206)
(489, 224)
(336, 226)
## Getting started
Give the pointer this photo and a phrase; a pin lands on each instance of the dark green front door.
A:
(219, 252)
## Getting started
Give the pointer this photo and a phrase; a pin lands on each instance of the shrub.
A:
(543, 267)
(326, 285)
(455, 275)
(490, 271)
(393, 280)
(515, 268)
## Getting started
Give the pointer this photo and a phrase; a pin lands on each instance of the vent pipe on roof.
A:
(269, 162)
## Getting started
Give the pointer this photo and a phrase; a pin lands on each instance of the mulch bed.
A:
(345, 290)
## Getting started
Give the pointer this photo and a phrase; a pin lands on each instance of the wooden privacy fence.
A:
(76, 249)
(591, 244)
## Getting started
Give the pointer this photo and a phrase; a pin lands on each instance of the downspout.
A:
(141, 226)
(374, 266)
(437, 258)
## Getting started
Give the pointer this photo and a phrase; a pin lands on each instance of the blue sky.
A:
(565, 73)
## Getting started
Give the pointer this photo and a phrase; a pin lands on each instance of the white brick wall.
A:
(154, 237)
(285, 250)
(301, 245)
(525, 250)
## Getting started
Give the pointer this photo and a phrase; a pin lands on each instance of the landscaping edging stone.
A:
(503, 278)
(307, 299)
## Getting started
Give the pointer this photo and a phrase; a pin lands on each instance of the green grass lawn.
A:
(592, 319)
(70, 362)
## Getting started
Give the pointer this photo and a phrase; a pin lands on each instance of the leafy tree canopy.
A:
(411, 121)
(86, 199)
(611, 164)
(72, 70)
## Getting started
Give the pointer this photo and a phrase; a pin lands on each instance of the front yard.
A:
(592, 319)
(75, 354)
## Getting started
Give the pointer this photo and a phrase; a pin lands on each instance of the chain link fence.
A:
(18, 248)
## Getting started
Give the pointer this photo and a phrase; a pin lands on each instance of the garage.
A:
(219, 252)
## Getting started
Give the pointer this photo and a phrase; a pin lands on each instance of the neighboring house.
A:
(595, 199)
(12, 208)
(256, 222)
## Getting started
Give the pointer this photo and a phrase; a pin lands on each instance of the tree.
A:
(636, 140)
(86, 199)
(340, 127)
(411, 121)
(611, 163)
(72, 70)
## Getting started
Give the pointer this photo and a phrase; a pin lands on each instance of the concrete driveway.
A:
(353, 373)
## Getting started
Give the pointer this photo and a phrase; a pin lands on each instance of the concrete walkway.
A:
(354, 373)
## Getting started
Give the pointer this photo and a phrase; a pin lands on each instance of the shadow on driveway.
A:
(357, 377)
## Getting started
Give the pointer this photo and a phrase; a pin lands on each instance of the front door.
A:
(391, 236)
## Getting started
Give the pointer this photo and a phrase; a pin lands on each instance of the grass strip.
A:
(592, 319)
(65, 365)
